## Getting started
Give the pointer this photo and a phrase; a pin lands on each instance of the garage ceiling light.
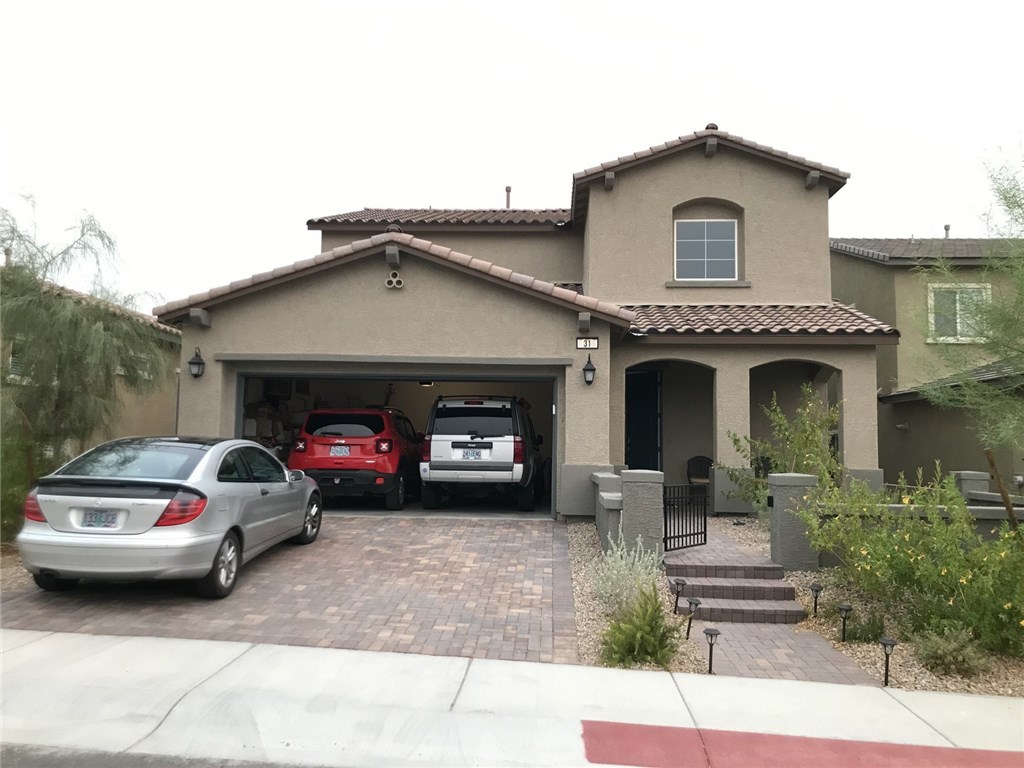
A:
(426, 383)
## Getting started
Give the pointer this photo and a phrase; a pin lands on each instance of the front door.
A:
(643, 419)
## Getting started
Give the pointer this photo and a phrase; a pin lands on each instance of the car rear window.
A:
(143, 460)
(344, 424)
(472, 420)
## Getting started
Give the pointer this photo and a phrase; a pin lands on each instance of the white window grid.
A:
(675, 248)
(962, 291)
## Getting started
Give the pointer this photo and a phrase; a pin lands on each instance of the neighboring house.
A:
(882, 277)
(694, 276)
(151, 413)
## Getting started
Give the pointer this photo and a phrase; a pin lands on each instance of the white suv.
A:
(481, 444)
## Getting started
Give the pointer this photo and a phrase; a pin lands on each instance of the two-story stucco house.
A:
(884, 277)
(693, 275)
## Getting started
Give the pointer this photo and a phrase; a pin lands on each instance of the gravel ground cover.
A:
(1005, 677)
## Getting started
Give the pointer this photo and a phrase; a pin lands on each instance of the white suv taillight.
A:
(425, 449)
(518, 454)
(183, 508)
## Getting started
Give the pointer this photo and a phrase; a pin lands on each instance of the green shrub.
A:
(901, 550)
(865, 629)
(950, 648)
(623, 572)
(642, 634)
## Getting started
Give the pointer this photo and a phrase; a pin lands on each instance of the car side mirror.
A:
(296, 475)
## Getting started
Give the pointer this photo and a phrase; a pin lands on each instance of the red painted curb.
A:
(655, 746)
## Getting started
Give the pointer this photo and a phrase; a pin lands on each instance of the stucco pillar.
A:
(643, 512)
(859, 413)
(732, 414)
(788, 533)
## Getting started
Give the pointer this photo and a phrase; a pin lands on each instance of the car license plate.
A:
(340, 450)
(99, 518)
(472, 453)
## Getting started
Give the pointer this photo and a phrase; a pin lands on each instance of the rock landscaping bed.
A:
(1004, 677)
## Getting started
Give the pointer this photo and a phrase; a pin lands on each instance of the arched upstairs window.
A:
(708, 242)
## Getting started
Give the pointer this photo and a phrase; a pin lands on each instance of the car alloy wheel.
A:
(220, 581)
(311, 522)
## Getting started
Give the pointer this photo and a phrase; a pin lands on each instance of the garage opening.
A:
(273, 409)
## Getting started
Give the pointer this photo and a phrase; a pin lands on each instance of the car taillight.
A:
(425, 449)
(32, 509)
(518, 453)
(183, 508)
(299, 446)
(384, 445)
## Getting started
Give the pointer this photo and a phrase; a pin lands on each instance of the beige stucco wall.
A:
(732, 399)
(629, 242)
(438, 315)
(555, 255)
(871, 288)
(150, 413)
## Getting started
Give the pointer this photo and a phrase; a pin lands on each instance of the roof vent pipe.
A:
(508, 198)
(946, 227)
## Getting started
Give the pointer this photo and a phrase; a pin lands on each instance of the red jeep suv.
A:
(360, 451)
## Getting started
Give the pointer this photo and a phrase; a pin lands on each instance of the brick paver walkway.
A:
(458, 586)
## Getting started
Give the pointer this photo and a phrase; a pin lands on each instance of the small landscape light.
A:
(711, 633)
(816, 590)
(694, 604)
(887, 645)
(844, 611)
(678, 585)
(196, 364)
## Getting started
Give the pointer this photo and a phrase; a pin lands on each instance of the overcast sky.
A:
(203, 135)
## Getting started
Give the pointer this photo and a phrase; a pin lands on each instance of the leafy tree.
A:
(67, 356)
(995, 404)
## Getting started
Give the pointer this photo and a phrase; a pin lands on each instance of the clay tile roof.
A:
(755, 320)
(909, 251)
(566, 296)
(445, 216)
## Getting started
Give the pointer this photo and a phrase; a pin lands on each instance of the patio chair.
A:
(698, 470)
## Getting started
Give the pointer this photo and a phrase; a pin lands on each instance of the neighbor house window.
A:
(706, 249)
(952, 309)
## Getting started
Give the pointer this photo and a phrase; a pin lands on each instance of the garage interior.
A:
(274, 407)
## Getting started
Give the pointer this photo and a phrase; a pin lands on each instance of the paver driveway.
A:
(484, 586)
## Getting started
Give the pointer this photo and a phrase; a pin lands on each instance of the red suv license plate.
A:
(99, 518)
(340, 450)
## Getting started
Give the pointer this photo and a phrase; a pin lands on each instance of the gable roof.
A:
(710, 138)
(442, 217)
(722, 322)
(904, 252)
(613, 313)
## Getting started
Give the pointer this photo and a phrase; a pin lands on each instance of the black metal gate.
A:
(686, 516)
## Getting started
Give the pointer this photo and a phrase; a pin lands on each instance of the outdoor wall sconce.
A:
(588, 371)
(677, 585)
(712, 635)
(196, 365)
(844, 611)
(887, 645)
(816, 590)
(694, 604)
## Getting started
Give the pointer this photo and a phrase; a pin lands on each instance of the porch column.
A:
(732, 414)
(859, 413)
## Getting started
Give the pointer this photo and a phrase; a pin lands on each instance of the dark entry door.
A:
(643, 419)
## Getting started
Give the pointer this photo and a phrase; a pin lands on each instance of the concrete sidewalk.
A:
(321, 706)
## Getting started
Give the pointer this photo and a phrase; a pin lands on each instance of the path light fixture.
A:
(588, 371)
(678, 586)
(712, 635)
(887, 645)
(816, 590)
(844, 611)
(694, 604)
(196, 364)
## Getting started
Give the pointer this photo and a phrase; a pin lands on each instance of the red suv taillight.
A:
(384, 444)
(32, 509)
(425, 449)
(183, 508)
(300, 445)
(518, 454)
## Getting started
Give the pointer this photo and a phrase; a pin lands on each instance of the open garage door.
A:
(273, 408)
